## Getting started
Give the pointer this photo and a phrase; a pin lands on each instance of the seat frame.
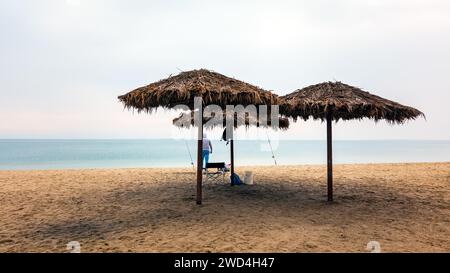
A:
(220, 171)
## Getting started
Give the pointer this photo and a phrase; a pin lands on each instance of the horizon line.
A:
(281, 139)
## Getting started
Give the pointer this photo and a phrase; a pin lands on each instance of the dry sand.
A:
(405, 207)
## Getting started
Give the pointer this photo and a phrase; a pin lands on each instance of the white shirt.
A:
(206, 145)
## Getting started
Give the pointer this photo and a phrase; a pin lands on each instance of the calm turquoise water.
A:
(68, 154)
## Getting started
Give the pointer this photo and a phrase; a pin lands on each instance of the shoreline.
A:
(241, 166)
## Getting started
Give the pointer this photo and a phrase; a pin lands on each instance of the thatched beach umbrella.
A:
(247, 121)
(182, 89)
(238, 120)
(334, 101)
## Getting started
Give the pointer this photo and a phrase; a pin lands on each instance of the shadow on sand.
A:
(157, 205)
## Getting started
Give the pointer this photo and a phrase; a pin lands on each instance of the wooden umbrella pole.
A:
(329, 158)
(200, 158)
(232, 154)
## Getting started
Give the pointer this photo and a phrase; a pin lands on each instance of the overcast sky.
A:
(64, 62)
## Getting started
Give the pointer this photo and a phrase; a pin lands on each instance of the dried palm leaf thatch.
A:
(181, 89)
(186, 120)
(342, 101)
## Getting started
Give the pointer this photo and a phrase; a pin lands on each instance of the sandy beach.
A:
(405, 207)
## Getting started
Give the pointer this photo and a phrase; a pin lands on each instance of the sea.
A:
(44, 154)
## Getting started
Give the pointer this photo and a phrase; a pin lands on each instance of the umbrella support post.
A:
(329, 159)
(200, 159)
(232, 153)
(232, 158)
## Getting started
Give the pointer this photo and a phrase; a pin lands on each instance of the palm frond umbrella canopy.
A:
(182, 89)
(247, 121)
(335, 101)
(186, 120)
(214, 88)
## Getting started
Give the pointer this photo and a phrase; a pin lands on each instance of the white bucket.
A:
(248, 178)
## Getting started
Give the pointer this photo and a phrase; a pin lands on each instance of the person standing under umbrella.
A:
(207, 149)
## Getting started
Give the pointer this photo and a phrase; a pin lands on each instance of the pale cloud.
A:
(65, 62)
(73, 2)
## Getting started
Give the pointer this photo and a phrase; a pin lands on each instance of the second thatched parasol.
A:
(334, 101)
(238, 120)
